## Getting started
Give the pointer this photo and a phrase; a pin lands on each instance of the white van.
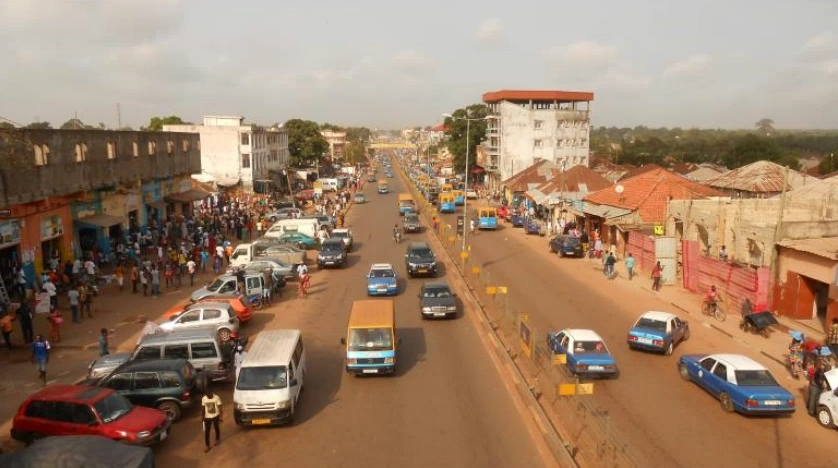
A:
(270, 380)
(307, 226)
(329, 185)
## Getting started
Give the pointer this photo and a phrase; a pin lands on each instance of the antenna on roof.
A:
(619, 189)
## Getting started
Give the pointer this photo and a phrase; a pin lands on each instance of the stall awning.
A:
(188, 196)
(227, 182)
(101, 220)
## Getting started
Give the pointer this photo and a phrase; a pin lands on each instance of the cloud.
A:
(830, 67)
(411, 61)
(586, 54)
(627, 81)
(821, 42)
(689, 66)
(489, 31)
(339, 75)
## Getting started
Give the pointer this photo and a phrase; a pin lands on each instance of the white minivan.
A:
(270, 379)
(307, 226)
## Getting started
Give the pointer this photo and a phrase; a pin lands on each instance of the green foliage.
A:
(156, 123)
(765, 126)
(457, 130)
(331, 127)
(305, 143)
(6, 125)
(829, 164)
(40, 125)
(358, 134)
(355, 153)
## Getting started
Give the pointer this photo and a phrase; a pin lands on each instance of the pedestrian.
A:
(610, 261)
(40, 357)
(268, 281)
(238, 358)
(204, 259)
(49, 288)
(817, 385)
(144, 277)
(86, 299)
(7, 326)
(135, 278)
(155, 281)
(630, 266)
(211, 415)
(190, 268)
(74, 296)
(657, 270)
(832, 337)
(103, 342)
(120, 276)
(24, 317)
(796, 353)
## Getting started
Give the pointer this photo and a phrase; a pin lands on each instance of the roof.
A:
(579, 334)
(209, 305)
(536, 174)
(181, 335)
(684, 168)
(826, 247)
(381, 266)
(817, 189)
(537, 95)
(71, 392)
(738, 361)
(576, 179)
(831, 175)
(436, 284)
(439, 128)
(372, 312)
(152, 364)
(649, 193)
(271, 347)
(759, 177)
(659, 316)
(703, 173)
(636, 171)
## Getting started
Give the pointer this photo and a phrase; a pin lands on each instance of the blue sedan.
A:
(382, 281)
(740, 383)
(659, 332)
(518, 220)
(585, 351)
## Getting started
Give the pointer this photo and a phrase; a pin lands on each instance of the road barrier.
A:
(584, 428)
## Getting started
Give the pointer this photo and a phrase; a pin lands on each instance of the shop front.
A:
(10, 237)
(54, 243)
(92, 228)
(180, 196)
(134, 212)
(114, 204)
(153, 205)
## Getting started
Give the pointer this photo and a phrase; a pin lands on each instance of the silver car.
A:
(345, 235)
(281, 269)
(284, 213)
(285, 253)
(103, 366)
(218, 316)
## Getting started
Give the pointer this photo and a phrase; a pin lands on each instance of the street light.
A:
(468, 141)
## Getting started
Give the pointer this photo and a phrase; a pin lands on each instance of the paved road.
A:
(447, 405)
(671, 422)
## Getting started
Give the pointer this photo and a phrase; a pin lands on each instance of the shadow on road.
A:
(412, 349)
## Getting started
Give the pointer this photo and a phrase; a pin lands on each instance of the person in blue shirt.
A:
(40, 356)
(630, 266)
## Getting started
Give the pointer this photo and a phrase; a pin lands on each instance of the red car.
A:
(304, 195)
(80, 410)
(503, 212)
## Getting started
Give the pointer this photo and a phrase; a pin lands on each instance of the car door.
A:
(704, 368)
(146, 388)
(122, 383)
(211, 318)
(188, 319)
(83, 420)
(253, 285)
(677, 329)
(717, 380)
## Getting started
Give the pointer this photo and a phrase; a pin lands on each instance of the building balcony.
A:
(36, 164)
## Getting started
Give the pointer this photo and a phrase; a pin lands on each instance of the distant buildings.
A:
(536, 125)
(233, 152)
(337, 143)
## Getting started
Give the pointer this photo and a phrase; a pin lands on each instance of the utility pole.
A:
(118, 117)
(777, 230)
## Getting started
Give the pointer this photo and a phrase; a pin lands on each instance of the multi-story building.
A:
(233, 152)
(337, 143)
(536, 125)
(71, 192)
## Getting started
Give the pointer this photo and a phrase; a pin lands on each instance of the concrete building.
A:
(337, 143)
(70, 192)
(536, 125)
(233, 152)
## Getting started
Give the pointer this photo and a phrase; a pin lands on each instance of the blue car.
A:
(659, 332)
(586, 352)
(738, 382)
(518, 220)
(382, 281)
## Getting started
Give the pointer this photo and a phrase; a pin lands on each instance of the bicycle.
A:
(714, 310)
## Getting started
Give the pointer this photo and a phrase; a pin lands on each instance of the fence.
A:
(584, 428)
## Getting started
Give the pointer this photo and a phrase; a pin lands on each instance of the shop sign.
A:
(9, 233)
(51, 227)
(184, 185)
(132, 202)
(167, 188)
(151, 193)
(82, 209)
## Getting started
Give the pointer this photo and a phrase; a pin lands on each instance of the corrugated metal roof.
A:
(826, 247)
(758, 177)
(530, 177)
(816, 190)
(575, 179)
(703, 173)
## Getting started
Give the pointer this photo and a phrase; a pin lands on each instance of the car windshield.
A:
(216, 285)
(755, 378)
(262, 378)
(112, 407)
(411, 218)
(589, 347)
(380, 273)
(339, 234)
(420, 254)
(370, 339)
(436, 292)
(656, 325)
(570, 241)
(330, 247)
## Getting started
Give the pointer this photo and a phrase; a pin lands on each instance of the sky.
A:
(393, 64)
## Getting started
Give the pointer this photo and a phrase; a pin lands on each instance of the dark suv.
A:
(332, 253)
(420, 260)
(169, 385)
(411, 223)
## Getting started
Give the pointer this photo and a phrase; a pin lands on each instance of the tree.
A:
(358, 134)
(40, 126)
(305, 143)
(6, 125)
(156, 123)
(765, 126)
(355, 153)
(457, 129)
(330, 127)
(828, 165)
(750, 148)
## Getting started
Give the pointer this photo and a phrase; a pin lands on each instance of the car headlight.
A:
(389, 360)
(284, 404)
(122, 433)
(411, 265)
(452, 308)
(240, 406)
(426, 309)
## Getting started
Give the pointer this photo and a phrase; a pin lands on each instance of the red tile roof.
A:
(640, 170)
(524, 95)
(536, 174)
(590, 181)
(649, 193)
(440, 128)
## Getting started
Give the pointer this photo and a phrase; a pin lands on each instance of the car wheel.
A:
(726, 402)
(171, 409)
(224, 335)
(824, 417)
(670, 348)
(301, 246)
(273, 219)
(31, 438)
(684, 372)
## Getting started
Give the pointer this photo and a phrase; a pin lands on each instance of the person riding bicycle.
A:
(711, 299)
(396, 232)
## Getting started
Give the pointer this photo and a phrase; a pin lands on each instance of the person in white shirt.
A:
(211, 415)
(190, 268)
(302, 270)
(90, 268)
(76, 267)
(49, 288)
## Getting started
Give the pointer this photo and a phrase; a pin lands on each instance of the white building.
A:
(337, 143)
(533, 125)
(232, 152)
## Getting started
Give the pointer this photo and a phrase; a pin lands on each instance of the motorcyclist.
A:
(710, 299)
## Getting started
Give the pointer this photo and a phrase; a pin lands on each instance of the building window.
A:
(170, 146)
(79, 153)
(135, 147)
(152, 148)
(537, 143)
(111, 150)
(185, 145)
(245, 161)
(538, 124)
(245, 138)
(198, 144)
(41, 155)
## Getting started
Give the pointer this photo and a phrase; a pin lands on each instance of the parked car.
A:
(411, 223)
(281, 270)
(345, 235)
(420, 260)
(285, 253)
(323, 221)
(518, 220)
(532, 227)
(658, 331)
(738, 382)
(170, 385)
(332, 253)
(298, 239)
(827, 410)
(567, 246)
(503, 212)
(471, 194)
(243, 312)
(225, 286)
(284, 204)
(200, 346)
(104, 365)
(382, 280)
(360, 198)
(82, 410)
(436, 300)
(218, 316)
(585, 351)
